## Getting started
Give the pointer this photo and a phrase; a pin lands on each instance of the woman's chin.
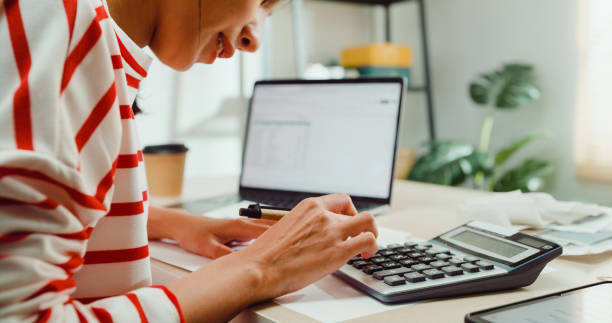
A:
(208, 59)
(176, 64)
(185, 62)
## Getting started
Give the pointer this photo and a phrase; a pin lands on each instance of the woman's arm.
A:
(57, 164)
(309, 243)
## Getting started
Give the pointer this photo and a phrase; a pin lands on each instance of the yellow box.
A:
(385, 54)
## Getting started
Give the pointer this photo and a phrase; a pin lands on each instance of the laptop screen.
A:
(323, 137)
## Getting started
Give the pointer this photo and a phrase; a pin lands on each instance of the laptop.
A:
(309, 138)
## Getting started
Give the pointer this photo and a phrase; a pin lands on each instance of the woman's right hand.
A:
(309, 243)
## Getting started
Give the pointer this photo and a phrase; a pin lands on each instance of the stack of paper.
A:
(580, 228)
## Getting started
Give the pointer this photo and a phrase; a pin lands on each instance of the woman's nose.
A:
(249, 38)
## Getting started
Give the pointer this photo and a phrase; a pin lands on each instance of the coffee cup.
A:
(165, 165)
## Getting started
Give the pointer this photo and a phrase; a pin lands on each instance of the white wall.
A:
(204, 108)
(466, 37)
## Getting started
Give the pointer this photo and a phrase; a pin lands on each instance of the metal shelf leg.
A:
(427, 71)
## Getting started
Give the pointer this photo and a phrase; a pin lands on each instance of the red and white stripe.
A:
(73, 199)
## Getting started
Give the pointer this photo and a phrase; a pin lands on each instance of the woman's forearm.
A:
(219, 290)
(162, 223)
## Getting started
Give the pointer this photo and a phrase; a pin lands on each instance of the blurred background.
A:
(517, 90)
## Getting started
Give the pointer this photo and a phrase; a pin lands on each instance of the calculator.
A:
(475, 257)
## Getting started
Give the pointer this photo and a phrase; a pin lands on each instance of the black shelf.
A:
(426, 88)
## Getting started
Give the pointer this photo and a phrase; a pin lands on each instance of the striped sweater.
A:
(73, 199)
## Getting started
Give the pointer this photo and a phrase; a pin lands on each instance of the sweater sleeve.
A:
(50, 199)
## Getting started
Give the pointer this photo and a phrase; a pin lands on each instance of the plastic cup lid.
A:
(165, 149)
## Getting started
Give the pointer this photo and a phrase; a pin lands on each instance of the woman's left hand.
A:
(200, 234)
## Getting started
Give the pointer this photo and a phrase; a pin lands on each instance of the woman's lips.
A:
(219, 44)
(224, 47)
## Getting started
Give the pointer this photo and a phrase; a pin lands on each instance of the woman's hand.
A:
(304, 246)
(200, 234)
(316, 238)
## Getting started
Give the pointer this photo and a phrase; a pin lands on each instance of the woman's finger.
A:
(243, 230)
(217, 250)
(363, 243)
(362, 222)
(337, 203)
(267, 222)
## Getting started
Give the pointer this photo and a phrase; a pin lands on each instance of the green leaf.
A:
(510, 87)
(527, 177)
(449, 163)
(505, 153)
(479, 93)
(515, 94)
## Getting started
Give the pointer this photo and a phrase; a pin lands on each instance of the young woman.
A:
(74, 217)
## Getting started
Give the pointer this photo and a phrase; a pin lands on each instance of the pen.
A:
(257, 211)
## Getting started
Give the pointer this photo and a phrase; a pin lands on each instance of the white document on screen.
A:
(319, 301)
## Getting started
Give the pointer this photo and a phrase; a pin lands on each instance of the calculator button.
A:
(398, 257)
(443, 256)
(433, 274)
(470, 259)
(456, 261)
(433, 251)
(397, 271)
(408, 262)
(439, 264)
(426, 260)
(410, 244)
(356, 258)
(470, 268)
(403, 250)
(369, 269)
(421, 267)
(414, 277)
(415, 254)
(394, 246)
(422, 247)
(484, 265)
(387, 252)
(360, 264)
(390, 265)
(394, 280)
(379, 260)
(452, 270)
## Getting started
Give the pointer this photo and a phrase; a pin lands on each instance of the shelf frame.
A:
(386, 4)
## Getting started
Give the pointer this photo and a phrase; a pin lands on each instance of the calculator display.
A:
(493, 245)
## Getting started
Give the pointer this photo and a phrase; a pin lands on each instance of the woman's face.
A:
(191, 31)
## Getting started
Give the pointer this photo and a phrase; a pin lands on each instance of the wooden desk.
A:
(426, 211)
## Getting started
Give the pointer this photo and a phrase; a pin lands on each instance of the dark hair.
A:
(135, 108)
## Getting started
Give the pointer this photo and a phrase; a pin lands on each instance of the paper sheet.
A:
(332, 300)
(172, 254)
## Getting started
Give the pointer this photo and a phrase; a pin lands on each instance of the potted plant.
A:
(448, 162)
